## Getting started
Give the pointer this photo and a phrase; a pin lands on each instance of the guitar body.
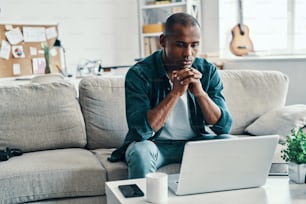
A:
(241, 43)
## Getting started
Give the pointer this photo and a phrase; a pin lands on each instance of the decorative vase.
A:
(297, 172)
(47, 68)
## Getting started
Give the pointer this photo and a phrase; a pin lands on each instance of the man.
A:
(170, 97)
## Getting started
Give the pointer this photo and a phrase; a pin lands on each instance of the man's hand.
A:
(187, 78)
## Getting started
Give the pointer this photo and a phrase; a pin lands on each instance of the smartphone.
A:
(131, 190)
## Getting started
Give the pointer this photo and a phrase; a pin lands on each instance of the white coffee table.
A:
(277, 190)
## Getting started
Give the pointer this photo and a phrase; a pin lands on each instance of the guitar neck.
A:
(240, 16)
(241, 44)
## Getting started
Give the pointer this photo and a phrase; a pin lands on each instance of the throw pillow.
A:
(279, 121)
(43, 116)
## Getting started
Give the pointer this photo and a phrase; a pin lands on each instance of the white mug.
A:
(157, 187)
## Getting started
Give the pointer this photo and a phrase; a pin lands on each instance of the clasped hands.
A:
(187, 78)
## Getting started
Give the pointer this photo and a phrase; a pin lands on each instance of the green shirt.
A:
(147, 84)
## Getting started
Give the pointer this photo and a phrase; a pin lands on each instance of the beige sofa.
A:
(67, 134)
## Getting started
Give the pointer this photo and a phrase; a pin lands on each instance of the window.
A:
(299, 25)
(276, 26)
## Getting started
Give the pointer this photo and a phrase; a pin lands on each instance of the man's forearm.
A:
(210, 110)
(159, 114)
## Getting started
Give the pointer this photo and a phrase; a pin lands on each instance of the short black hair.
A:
(183, 19)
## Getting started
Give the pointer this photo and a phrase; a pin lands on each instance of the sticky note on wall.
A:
(16, 69)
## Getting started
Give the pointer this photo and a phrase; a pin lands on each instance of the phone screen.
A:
(131, 190)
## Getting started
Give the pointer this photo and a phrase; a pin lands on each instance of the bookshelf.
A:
(152, 16)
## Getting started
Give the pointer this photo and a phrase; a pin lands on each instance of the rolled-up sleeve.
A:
(224, 124)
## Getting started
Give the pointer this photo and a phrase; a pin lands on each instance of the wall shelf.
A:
(164, 5)
(155, 14)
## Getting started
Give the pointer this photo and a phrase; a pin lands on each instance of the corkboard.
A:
(25, 63)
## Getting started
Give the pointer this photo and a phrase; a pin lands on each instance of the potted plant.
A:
(47, 58)
(294, 153)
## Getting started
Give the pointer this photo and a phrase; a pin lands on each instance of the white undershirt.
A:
(177, 125)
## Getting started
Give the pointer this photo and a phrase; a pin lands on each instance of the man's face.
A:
(181, 47)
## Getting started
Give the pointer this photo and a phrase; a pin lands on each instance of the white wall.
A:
(108, 30)
(88, 29)
(210, 26)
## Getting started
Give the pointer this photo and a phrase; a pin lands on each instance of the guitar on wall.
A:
(241, 43)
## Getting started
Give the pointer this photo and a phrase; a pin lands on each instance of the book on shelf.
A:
(147, 49)
(151, 44)
(178, 9)
(158, 2)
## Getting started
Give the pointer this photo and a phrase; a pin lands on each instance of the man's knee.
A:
(141, 158)
(143, 150)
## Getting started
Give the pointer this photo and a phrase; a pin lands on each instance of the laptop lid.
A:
(224, 164)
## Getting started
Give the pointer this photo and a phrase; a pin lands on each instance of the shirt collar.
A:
(161, 67)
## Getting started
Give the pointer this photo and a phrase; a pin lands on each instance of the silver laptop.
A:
(224, 164)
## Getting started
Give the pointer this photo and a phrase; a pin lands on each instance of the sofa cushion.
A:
(51, 174)
(251, 93)
(103, 105)
(39, 117)
(279, 121)
(76, 200)
(115, 171)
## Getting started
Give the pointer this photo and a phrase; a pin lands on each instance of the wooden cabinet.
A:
(152, 16)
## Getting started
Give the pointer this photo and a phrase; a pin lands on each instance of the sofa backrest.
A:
(41, 116)
(251, 93)
(248, 93)
(102, 102)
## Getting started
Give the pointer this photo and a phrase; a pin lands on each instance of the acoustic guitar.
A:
(241, 43)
